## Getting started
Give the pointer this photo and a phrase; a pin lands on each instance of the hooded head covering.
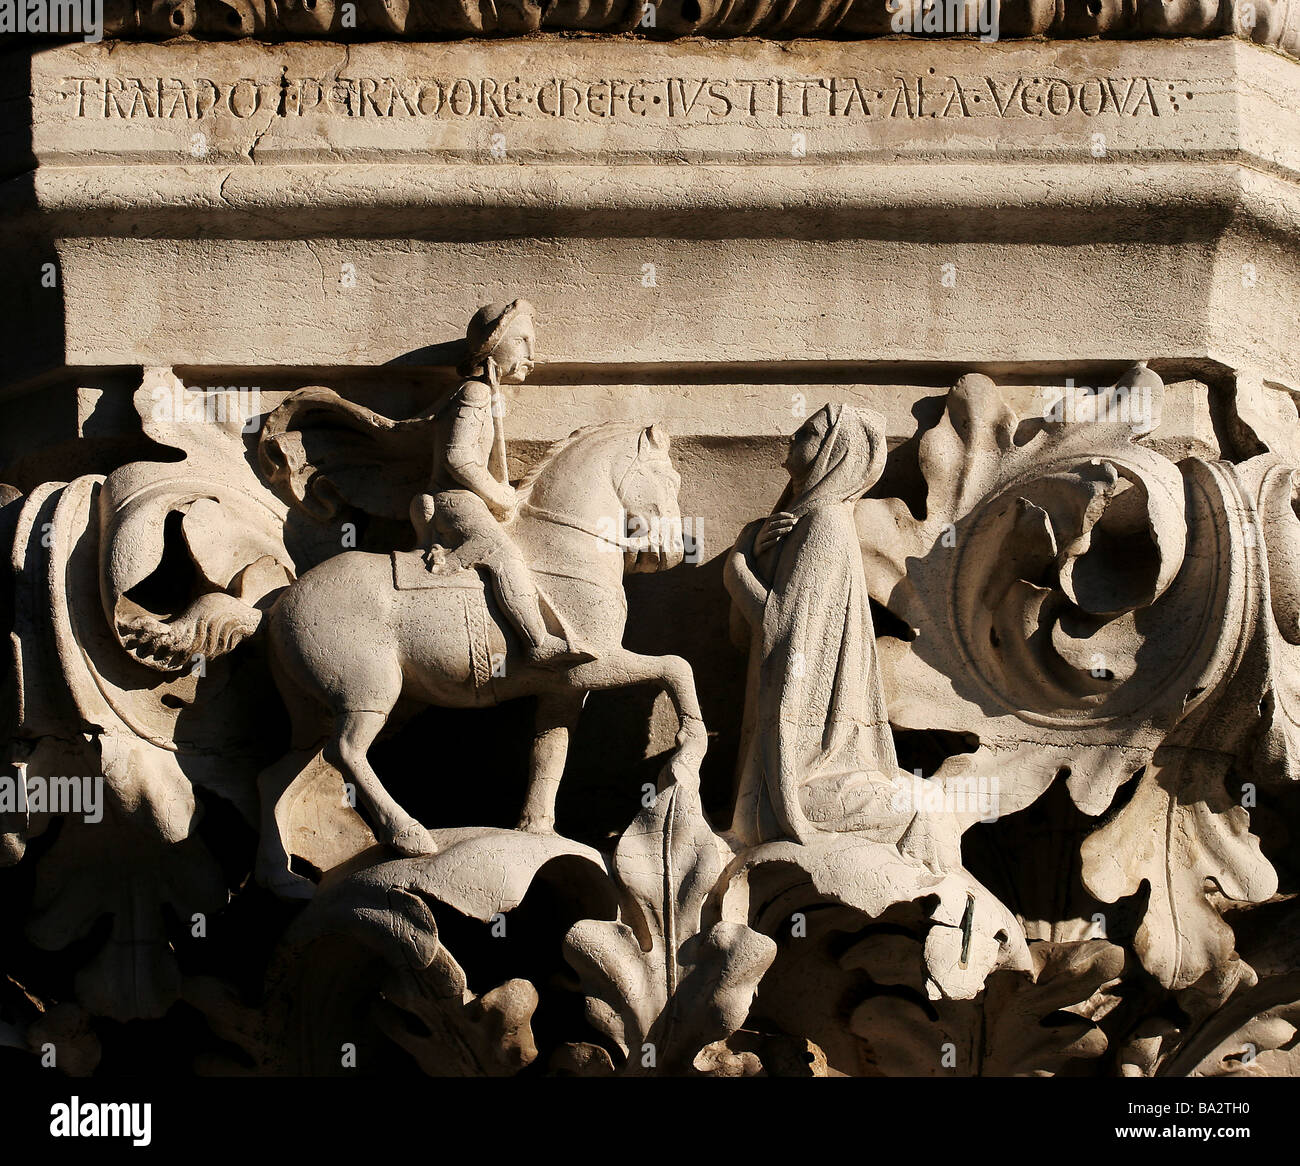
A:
(849, 462)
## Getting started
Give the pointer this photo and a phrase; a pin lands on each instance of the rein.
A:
(573, 523)
(620, 544)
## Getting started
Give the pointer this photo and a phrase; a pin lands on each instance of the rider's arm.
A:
(465, 459)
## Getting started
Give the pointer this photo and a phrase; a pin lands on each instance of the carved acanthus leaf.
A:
(1017, 1028)
(383, 915)
(969, 933)
(668, 982)
(1054, 556)
(1179, 833)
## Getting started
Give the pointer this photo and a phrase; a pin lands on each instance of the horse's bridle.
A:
(620, 544)
(572, 523)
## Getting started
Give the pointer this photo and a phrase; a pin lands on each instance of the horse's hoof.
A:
(413, 841)
(536, 826)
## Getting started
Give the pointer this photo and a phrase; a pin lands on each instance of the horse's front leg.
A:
(621, 668)
(557, 715)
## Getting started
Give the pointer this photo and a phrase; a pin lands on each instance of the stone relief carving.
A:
(817, 763)
(162, 566)
(1270, 22)
(1070, 609)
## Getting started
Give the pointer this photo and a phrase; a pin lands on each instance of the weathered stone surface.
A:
(1271, 22)
(914, 223)
(625, 557)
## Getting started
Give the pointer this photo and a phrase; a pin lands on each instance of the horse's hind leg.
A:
(355, 732)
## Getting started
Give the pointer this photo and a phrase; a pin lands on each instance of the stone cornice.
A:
(940, 153)
(1269, 22)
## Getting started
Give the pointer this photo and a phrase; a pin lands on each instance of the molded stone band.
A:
(1268, 22)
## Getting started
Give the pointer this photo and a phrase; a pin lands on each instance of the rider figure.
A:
(469, 498)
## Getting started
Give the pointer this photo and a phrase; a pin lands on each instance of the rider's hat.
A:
(487, 329)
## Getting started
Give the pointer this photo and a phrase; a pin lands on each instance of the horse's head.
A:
(647, 494)
(616, 482)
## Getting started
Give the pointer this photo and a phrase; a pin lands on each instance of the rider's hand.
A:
(773, 530)
(505, 505)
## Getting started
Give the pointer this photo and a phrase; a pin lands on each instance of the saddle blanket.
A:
(487, 646)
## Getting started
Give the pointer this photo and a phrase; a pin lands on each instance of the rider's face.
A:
(514, 355)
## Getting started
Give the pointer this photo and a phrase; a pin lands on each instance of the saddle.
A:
(411, 574)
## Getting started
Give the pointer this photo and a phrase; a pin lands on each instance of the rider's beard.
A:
(517, 373)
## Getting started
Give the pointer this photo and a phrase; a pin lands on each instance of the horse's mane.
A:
(526, 483)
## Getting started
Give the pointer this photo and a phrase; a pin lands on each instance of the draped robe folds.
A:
(816, 750)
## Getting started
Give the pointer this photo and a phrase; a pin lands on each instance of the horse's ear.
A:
(653, 439)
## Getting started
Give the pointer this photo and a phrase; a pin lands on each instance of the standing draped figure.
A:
(816, 752)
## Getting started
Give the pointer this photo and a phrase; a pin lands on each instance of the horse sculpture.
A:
(361, 630)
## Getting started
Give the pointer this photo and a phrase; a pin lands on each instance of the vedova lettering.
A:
(694, 100)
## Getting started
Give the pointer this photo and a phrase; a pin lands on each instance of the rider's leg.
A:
(421, 513)
(516, 593)
(485, 544)
(423, 518)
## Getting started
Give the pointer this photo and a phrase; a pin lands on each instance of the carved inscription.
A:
(676, 99)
